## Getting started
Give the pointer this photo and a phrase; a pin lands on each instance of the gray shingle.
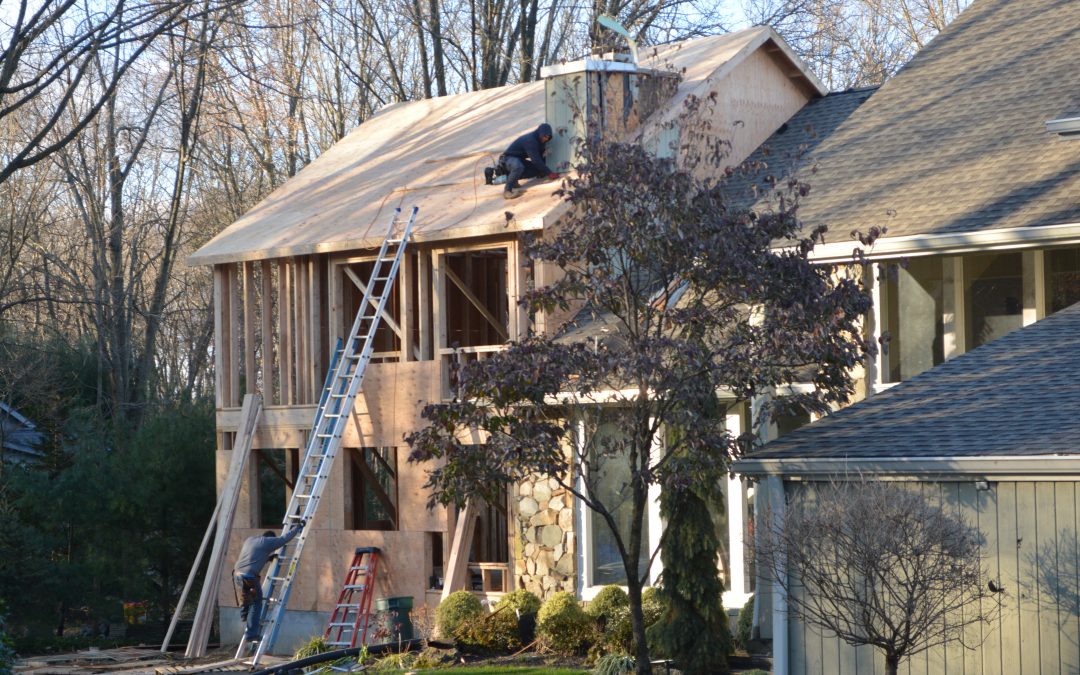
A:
(1018, 395)
(956, 140)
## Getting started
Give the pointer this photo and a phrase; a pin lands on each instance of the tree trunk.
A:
(891, 664)
(436, 48)
(637, 623)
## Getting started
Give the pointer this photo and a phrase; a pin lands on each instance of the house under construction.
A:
(290, 276)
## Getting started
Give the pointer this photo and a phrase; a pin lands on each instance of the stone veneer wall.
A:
(544, 555)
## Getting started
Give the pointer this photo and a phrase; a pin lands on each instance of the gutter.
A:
(1018, 467)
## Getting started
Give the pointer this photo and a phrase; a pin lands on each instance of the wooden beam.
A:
(406, 282)
(300, 330)
(267, 327)
(233, 321)
(499, 328)
(457, 572)
(248, 281)
(284, 333)
(220, 300)
(423, 305)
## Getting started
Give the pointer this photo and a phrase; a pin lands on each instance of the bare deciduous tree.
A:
(878, 563)
(852, 43)
(50, 51)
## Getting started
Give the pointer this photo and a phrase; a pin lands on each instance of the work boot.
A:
(512, 193)
(489, 175)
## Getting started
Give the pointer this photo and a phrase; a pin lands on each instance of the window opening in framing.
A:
(491, 546)
(477, 302)
(371, 499)
(275, 469)
(355, 277)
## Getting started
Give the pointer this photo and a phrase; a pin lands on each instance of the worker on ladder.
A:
(255, 554)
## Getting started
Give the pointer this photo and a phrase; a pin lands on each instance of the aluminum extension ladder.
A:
(348, 624)
(343, 381)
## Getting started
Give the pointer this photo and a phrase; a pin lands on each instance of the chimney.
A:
(603, 98)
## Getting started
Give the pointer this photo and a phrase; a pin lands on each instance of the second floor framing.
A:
(276, 321)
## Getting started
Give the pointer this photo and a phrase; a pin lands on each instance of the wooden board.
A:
(200, 630)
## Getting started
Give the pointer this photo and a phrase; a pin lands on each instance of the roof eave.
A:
(1002, 468)
(951, 243)
(463, 232)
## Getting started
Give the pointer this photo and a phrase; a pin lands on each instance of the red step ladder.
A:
(348, 624)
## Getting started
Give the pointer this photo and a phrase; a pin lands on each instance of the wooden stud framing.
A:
(266, 325)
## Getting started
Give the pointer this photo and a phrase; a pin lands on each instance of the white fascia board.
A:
(1021, 467)
(951, 243)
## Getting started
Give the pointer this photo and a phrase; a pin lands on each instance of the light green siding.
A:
(1030, 542)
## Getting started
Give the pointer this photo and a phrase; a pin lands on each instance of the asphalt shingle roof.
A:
(1018, 395)
(956, 141)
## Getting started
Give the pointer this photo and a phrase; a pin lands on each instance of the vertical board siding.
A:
(1030, 549)
(1028, 605)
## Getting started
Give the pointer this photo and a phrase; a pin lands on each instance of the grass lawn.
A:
(494, 670)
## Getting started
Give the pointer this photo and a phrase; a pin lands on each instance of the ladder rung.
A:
(348, 624)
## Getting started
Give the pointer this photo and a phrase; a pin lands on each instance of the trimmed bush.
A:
(520, 601)
(745, 625)
(452, 611)
(562, 625)
(488, 633)
(608, 605)
(525, 605)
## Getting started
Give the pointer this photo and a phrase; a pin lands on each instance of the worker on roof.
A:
(525, 159)
(256, 552)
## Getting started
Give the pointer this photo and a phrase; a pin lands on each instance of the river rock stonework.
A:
(544, 557)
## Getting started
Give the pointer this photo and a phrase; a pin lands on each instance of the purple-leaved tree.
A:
(687, 309)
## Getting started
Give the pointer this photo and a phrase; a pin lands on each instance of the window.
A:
(1062, 278)
(371, 498)
(610, 484)
(994, 288)
(915, 317)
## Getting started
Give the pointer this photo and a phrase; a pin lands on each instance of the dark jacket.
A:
(531, 148)
(256, 551)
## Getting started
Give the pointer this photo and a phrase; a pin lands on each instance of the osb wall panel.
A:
(403, 570)
(389, 405)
